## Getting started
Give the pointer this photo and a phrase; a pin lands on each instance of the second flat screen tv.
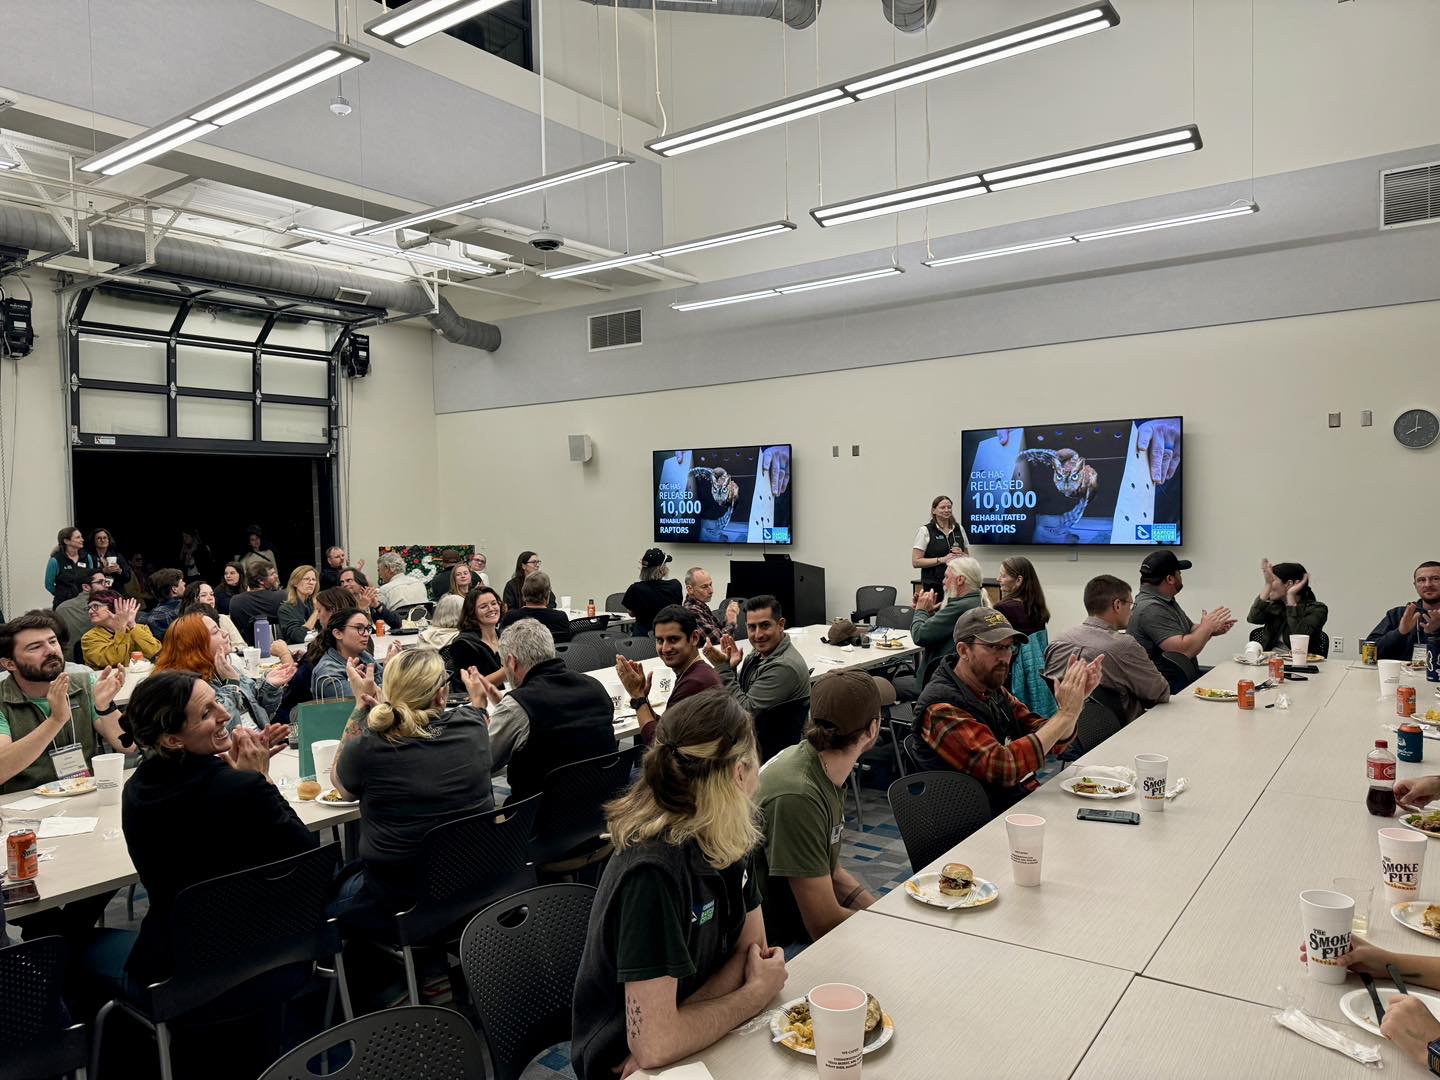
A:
(723, 495)
(1090, 482)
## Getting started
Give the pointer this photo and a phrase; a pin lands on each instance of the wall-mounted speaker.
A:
(581, 448)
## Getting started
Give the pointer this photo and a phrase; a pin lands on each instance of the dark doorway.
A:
(148, 498)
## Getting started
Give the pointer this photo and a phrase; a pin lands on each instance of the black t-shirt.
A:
(466, 651)
(557, 621)
(644, 598)
(246, 607)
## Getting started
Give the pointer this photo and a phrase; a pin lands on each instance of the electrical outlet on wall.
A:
(1337, 645)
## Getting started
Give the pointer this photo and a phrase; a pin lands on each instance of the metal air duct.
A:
(796, 14)
(909, 16)
(37, 231)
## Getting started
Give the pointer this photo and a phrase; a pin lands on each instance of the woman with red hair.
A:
(195, 643)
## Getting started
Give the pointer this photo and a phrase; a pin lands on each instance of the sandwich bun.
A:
(956, 879)
(307, 790)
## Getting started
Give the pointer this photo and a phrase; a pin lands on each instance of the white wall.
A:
(1254, 397)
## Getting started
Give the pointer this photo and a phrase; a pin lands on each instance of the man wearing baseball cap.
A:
(652, 592)
(1161, 626)
(807, 893)
(972, 722)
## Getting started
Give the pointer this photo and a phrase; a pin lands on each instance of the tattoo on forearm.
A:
(632, 1018)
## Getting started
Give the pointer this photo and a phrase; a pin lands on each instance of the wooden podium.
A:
(799, 587)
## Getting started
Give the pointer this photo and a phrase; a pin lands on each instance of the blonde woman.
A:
(297, 613)
(678, 911)
(412, 767)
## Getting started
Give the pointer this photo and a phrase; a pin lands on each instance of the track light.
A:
(786, 290)
(1072, 163)
(306, 70)
(419, 19)
(754, 232)
(511, 191)
(1077, 22)
(425, 259)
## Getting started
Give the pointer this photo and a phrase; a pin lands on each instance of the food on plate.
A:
(1214, 694)
(956, 879)
(333, 796)
(1433, 715)
(308, 790)
(1432, 917)
(1086, 786)
(1426, 822)
(799, 1025)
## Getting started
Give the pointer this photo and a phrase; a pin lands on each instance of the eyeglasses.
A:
(1011, 649)
(362, 628)
(532, 562)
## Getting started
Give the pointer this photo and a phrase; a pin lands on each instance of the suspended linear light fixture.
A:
(8, 164)
(301, 73)
(754, 232)
(1091, 159)
(991, 253)
(356, 244)
(786, 290)
(420, 19)
(1077, 22)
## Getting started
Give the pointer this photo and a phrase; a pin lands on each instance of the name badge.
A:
(835, 835)
(68, 761)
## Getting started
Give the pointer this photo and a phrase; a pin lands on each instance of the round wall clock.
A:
(1416, 428)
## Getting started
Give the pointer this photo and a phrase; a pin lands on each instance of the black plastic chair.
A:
(464, 865)
(895, 617)
(566, 836)
(283, 923)
(1319, 643)
(1096, 724)
(936, 810)
(615, 602)
(870, 600)
(637, 648)
(34, 1040)
(779, 727)
(590, 652)
(413, 1042)
(521, 957)
(587, 626)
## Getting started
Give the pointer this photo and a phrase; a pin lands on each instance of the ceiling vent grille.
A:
(1410, 196)
(616, 330)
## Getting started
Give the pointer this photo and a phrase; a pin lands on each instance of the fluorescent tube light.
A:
(1072, 163)
(341, 240)
(420, 19)
(576, 269)
(786, 290)
(512, 191)
(754, 232)
(1001, 46)
(290, 78)
(1014, 249)
(1170, 223)
(9, 164)
(1077, 22)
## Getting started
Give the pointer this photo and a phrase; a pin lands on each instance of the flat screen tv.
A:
(724, 495)
(1086, 482)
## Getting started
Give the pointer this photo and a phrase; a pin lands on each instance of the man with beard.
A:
(48, 718)
(1412, 624)
(972, 722)
(1163, 629)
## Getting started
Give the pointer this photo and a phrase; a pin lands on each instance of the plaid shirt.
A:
(967, 744)
(710, 626)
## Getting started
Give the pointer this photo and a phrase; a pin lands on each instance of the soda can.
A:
(1368, 653)
(1405, 701)
(22, 855)
(1410, 742)
(1277, 669)
(1246, 690)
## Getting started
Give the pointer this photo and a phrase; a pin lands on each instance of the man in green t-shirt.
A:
(806, 891)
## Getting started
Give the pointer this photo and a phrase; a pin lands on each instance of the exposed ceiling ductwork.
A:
(910, 16)
(796, 14)
(37, 231)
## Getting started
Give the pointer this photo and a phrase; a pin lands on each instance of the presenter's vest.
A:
(932, 577)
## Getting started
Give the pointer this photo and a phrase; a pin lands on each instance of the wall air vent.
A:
(615, 330)
(352, 296)
(1410, 196)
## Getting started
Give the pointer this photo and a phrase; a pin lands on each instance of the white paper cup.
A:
(324, 750)
(109, 770)
(837, 1012)
(1402, 863)
(1151, 772)
(565, 603)
(1026, 833)
(252, 658)
(1300, 649)
(1389, 677)
(1325, 921)
(1253, 651)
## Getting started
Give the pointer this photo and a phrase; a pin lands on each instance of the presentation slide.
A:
(1094, 482)
(723, 495)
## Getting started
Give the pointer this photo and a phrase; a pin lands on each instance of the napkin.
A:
(1309, 1028)
(52, 827)
(696, 1070)
(34, 802)
(1180, 785)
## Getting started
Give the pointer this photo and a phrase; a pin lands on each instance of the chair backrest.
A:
(285, 901)
(415, 1042)
(467, 863)
(1096, 724)
(521, 957)
(637, 648)
(319, 720)
(869, 599)
(586, 626)
(895, 617)
(590, 652)
(1112, 699)
(34, 1040)
(1320, 645)
(780, 726)
(935, 810)
(572, 797)
(615, 602)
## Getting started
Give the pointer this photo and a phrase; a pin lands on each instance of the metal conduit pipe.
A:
(797, 14)
(126, 247)
(910, 16)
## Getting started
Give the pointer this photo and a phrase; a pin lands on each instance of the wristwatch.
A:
(636, 702)
(106, 712)
(1433, 1056)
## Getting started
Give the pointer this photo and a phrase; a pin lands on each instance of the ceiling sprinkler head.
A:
(340, 106)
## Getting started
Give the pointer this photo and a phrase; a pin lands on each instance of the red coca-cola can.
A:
(1277, 669)
(1246, 690)
(1405, 701)
(22, 855)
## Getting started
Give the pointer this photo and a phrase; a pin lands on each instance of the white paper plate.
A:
(1229, 695)
(1410, 914)
(1069, 786)
(1241, 658)
(778, 1017)
(1434, 835)
(926, 889)
(320, 800)
(1360, 1010)
(65, 789)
